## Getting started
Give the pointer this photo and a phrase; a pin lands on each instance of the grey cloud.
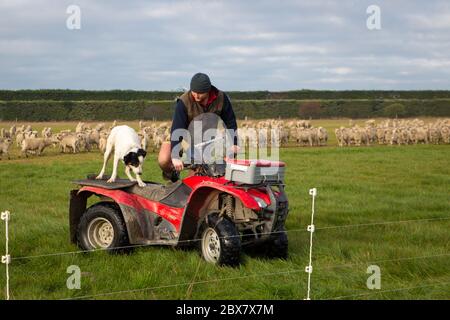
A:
(244, 45)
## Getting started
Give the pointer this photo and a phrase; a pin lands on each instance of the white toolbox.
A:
(254, 171)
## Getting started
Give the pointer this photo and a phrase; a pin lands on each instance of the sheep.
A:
(243, 136)
(322, 136)
(434, 135)
(36, 145)
(46, 132)
(69, 141)
(81, 126)
(12, 131)
(396, 138)
(420, 135)
(144, 140)
(19, 138)
(263, 138)
(94, 137)
(83, 142)
(344, 136)
(102, 141)
(158, 141)
(4, 147)
(304, 136)
(400, 132)
(31, 134)
(339, 137)
(445, 134)
(371, 132)
(89, 139)
(4, 133)
(370, 123)
(99, 127)
(381, 132)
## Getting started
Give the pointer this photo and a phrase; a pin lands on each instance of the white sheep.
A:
(4, 147)
(35, 145)
(69, 141)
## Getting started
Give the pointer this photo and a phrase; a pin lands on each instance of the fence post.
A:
(6, 259)
(311, 228)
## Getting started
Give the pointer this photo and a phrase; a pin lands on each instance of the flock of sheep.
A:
(280, 133)
(395, 132)
(84, 138)
(264, 133)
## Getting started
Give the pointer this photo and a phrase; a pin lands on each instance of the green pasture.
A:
(381, 205)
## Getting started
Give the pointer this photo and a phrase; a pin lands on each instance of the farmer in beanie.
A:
(201, 98)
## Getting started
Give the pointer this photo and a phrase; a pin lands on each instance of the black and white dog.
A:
(127, 147)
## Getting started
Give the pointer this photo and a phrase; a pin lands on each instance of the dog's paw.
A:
(111, 180)
(99, 177)
(141, 184)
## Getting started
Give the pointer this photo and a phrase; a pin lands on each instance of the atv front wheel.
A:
(278, 245)
(220, 241)
(102, 227)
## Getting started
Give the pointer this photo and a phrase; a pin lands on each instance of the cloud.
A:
(25, 47)
(433, 22)
(158, 45)
(337, 70)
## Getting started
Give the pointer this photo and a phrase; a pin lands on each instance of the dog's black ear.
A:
(127, 158)
(141, 152)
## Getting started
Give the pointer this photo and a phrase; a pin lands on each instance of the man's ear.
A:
(127, 158)
(141, 152)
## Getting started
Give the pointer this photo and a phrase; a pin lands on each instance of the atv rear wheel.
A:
(102, 227)
(220, 241)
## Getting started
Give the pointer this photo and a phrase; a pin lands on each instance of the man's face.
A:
(200, 97)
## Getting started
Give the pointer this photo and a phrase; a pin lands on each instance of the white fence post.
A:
(6, 259)
(311, 228)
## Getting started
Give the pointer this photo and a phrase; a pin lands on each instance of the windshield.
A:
(209, 140)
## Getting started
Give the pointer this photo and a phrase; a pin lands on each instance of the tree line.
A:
(128, 95)
(52, 110)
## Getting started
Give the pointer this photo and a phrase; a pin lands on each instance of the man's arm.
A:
(179, 121)
(229, 117)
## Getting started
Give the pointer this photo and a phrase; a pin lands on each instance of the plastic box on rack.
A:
(254, 171)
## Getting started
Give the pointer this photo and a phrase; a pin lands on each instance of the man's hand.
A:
(177, 164)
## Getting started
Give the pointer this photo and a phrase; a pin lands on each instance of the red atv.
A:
(222, 208)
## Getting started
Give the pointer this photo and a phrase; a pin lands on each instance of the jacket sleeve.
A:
(229, 117)
(179, 121)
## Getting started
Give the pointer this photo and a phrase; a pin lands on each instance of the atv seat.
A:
(172, 194)
(176, 192)
(101, 183)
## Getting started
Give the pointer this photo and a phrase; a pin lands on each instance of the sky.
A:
(242, 45)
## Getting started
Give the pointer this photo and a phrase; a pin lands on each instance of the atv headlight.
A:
(261, 202)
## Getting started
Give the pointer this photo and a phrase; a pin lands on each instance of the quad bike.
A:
(221, 208)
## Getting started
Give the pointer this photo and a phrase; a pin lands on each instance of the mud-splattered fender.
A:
(199, 199)
(137, 212)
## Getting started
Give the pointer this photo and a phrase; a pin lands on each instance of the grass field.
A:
(356, 186)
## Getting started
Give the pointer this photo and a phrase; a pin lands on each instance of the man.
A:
(201, 98)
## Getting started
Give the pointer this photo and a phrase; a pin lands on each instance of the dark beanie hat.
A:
(200, 83)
